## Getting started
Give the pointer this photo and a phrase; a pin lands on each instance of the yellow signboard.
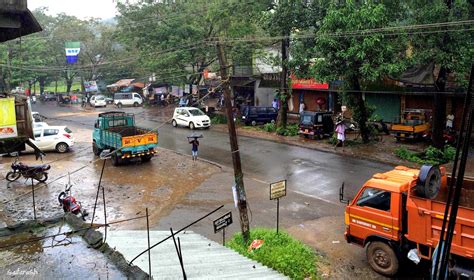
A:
(8, 127)
(277, 189)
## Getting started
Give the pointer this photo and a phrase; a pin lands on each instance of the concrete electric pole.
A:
(239, 176)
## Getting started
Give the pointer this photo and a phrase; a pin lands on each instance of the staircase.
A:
(202, 258)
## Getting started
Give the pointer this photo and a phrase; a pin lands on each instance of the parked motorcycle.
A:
(70, 204)
(37, 172)
(449, 137)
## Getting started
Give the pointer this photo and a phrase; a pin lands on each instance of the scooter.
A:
(70, 204)
(37, 172)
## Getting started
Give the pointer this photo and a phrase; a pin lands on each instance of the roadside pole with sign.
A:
(277, 190)
(221, 223)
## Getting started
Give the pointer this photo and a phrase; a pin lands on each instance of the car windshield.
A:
(100, 98)
(67, 130)
(306, 119)
(196, 112)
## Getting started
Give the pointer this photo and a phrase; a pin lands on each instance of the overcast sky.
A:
(104, 9)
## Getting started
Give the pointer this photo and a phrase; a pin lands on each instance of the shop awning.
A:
(16, 20)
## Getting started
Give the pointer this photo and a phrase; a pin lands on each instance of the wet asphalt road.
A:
(311, 173)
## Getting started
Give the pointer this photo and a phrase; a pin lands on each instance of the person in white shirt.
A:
(302, 107)
(449, 121)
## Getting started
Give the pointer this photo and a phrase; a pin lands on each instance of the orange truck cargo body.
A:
(387, 210)
(425, 219)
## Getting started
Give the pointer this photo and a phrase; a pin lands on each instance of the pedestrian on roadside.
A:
(162, 99)
(194, 149)
(302, 107)
(275, 104)
(341, 133)
(449, 122)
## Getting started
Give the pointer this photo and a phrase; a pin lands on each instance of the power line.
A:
(230, 40)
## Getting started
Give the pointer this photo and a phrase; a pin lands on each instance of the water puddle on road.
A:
(52, 258)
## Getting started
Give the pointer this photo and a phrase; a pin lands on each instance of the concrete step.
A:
(202, 258)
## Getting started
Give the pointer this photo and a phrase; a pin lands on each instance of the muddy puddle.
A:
(158, 185)
(52, 258)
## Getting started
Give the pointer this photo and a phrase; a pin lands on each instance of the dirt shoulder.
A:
(163, 183)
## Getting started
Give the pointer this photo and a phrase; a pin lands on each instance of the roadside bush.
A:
(269, 127)
(280, 252)
(219, 119)
(430, 155)
(290, 130)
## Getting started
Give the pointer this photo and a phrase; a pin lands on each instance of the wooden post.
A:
(239, 176)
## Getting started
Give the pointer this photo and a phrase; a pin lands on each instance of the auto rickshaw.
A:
(64, 99)
(316, 124)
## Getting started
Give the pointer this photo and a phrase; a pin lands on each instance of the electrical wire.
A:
(356, 33)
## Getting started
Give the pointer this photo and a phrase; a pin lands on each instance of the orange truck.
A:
(400, 212)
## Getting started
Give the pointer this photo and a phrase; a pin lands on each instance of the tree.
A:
(176, 40)
(451, 51)
(357, 59)
(284, 18)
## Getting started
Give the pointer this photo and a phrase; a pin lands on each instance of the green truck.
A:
(116, 131)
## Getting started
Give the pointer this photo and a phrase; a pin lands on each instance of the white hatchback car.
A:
(191, 117)
(39, 124)
(52, 138)
(98, 101)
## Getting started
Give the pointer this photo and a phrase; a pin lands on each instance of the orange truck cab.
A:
(401, 211)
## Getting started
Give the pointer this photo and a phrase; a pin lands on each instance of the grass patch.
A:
(219, 119)
(62, 86)
(430, 155)
(280, 252)
(290, 130)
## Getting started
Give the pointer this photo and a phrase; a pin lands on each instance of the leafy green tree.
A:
(284, 18)
(357, 59)
(451, 51)
(176, 40)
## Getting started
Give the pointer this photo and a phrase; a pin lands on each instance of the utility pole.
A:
(283, 112)
(238, 175)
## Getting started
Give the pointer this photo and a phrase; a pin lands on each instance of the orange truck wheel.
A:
(382, 258)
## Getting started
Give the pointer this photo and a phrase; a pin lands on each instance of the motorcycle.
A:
(449, 137)
(37, 172)
(70, 204)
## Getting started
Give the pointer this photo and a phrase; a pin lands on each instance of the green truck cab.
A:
(117, 132)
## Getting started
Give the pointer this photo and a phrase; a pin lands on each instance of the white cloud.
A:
(80, 8)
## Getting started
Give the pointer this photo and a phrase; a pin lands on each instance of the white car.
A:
(191, 117)
(52, 138)
(98, 101)
(37, 117)
(39, 124)
(127, 99)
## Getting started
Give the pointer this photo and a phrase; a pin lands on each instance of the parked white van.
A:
(127, 99)
(191, 117)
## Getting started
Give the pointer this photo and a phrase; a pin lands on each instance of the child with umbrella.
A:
(193, 140)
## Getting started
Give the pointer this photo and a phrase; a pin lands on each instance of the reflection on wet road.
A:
(309, 172)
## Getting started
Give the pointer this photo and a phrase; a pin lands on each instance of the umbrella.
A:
(195, 136)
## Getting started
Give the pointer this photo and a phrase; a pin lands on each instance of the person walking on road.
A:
(341, 133)
(194, 150)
